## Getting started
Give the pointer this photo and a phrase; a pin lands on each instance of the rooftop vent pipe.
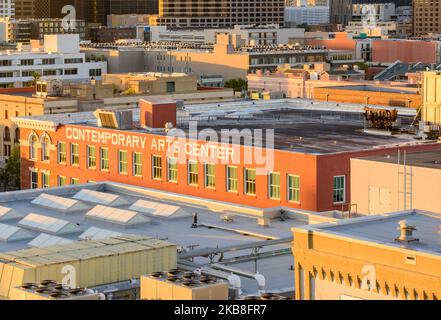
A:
(406, 232)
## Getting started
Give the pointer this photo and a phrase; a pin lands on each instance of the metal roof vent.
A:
(406, 232)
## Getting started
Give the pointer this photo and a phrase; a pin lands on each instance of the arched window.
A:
(33, 140)
(7, 134)
(45, 143)
(17, 135)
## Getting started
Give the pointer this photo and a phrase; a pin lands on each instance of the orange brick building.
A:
(308, 167)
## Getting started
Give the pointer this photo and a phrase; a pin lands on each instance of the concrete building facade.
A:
(369, 259)
(396, 182)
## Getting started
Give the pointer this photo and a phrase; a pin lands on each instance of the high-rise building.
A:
(219, 13)
(426, 17)
(7, 9)
(341, 12)
(92, 11)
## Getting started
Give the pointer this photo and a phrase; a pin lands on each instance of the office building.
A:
(386, 257)
(219, 14)
(59, 58)
(426, 17)
(7, 9)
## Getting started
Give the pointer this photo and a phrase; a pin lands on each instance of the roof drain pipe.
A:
(235, 282)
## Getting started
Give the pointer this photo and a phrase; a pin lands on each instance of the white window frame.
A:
(156, 169)
(334, 190)
(235, 179)
(206, 176)
(189, 173)
(33, 184)
(107, 160)
(288, 188)
(44, 176)
(270, 191)
(121, 163)
(59, 181)
(89, 157)
(137, 165)
(169, 170)
(60, 153)
(72, 155)
(245, 189)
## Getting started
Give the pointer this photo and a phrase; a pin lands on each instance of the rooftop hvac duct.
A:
(121, 119)
(406, 232)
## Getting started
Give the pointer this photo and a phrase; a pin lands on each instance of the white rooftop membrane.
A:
(103, 198)
(47, 240)
(159, 210)
(94, 233)
(10, 233)
(10, 214)
(49, 225)
(60, 204)
(116, 216)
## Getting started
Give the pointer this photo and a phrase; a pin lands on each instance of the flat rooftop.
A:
(374, 89)
(299, 125)
(424, 159)
(382, 229)
(172, 223)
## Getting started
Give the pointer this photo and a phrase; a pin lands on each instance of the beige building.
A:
(382, 184)
(431, 111)
(385, 257)
(231, 59)
(153, 83)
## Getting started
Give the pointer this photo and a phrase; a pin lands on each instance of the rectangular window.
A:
(232, 179)
(172, 165)
(34, 180)
(62, 181)
(104, 159)
(91, 157)
(74, 154)
(61, 152)
(74, 181)
(45, 178)
(274, 185)
(250, 182)
(193, 175)
(293, 188)
(157, 167)
(122, 162)
(70, 71)
(210, 175)
(137, 164)
(339, 194)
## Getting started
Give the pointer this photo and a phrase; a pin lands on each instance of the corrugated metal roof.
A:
(47, 240)
(83, 250)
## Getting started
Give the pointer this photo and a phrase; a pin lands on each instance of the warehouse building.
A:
(394, 182)
(304, 165)
(109, 253)
(387, 257)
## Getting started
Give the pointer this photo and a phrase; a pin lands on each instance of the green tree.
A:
(237, 84)
(36, 75)
(10, 174)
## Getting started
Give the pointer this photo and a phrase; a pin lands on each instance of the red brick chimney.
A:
(155, 112)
